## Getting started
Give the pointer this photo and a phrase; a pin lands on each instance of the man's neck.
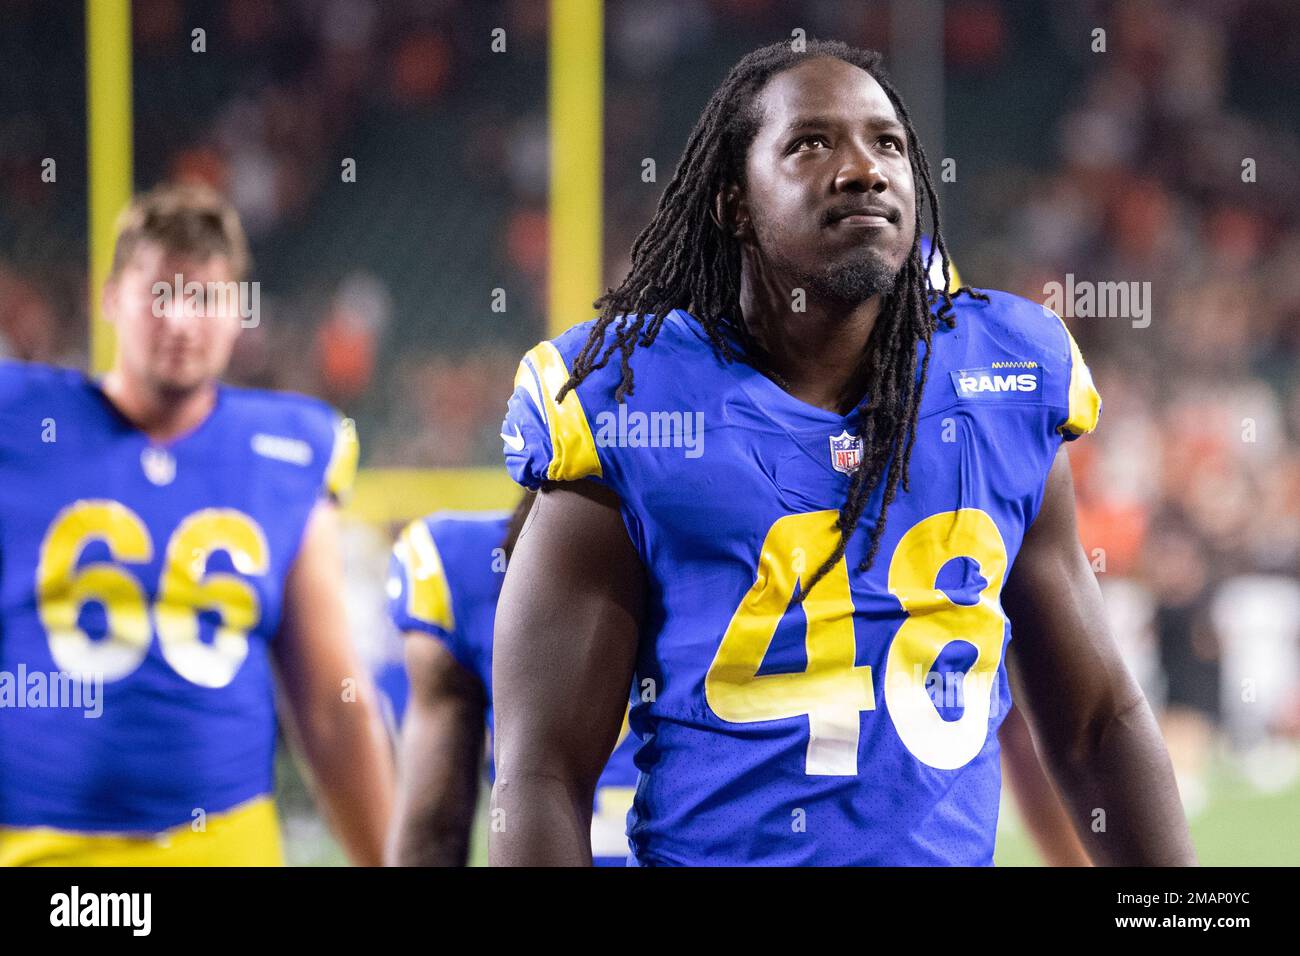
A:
(161, 416)
(817, 353)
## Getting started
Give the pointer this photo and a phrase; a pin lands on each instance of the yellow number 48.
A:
(832, 691)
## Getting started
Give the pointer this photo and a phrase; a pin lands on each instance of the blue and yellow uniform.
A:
(444, 580)
(859, 727)
(141, 585)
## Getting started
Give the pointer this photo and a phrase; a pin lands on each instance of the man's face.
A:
(172, 345)
(830, 144)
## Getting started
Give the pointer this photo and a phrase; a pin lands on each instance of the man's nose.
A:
(859, 171)
(183, 312)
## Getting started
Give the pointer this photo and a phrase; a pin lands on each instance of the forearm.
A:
(435, 835)
(438, 789)
(333, 712)
(1041, 810)
(352, 769)
(1098, 737)
(540, 819)
(1120, 792)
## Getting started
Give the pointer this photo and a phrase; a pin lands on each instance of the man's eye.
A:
(893, 142)
(803, 141)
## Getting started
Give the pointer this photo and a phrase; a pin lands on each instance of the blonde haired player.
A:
(169, 550)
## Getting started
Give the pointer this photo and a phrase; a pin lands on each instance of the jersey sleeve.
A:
(419, 597)
(936, 268)
(546, 440)
(1083, 403)
(341, 471)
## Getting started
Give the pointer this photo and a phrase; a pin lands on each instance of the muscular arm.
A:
(442, 757)
(562, 660)
(1040, 808)
(331, 703)
(1098, 737)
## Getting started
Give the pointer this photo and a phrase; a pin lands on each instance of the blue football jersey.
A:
(859, 726)
(445, 577)
(141, 585)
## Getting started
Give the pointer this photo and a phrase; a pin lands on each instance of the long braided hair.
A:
(684, 260)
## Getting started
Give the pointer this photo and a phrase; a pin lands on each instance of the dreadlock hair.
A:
(684, 259)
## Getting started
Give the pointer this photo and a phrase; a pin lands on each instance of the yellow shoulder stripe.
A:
(936, 274)
(428, 598)
(341, 471)
(1085, 402)
(543, 373)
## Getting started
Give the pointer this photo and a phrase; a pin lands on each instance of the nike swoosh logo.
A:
(514, 442)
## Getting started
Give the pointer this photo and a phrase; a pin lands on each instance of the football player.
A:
(811, 522)
(445, 578)
(169, 552)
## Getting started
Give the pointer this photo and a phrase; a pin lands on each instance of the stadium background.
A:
(480, 174)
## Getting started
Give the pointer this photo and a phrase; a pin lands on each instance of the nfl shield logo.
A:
(159, 465)
(846, 452)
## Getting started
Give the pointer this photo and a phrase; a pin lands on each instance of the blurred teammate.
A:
(168, 547)
(446, 575)
(796, 520)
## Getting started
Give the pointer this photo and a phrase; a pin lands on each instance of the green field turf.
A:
(1239, 827)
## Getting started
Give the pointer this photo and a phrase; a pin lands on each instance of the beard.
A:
(852, 279)
(176, 384)
(854, 282)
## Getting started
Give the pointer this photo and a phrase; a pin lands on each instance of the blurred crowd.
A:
(1189, 495)
(1167, 156)
(389, 167)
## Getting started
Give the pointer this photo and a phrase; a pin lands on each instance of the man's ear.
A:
(729, 212)
(108, 301)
